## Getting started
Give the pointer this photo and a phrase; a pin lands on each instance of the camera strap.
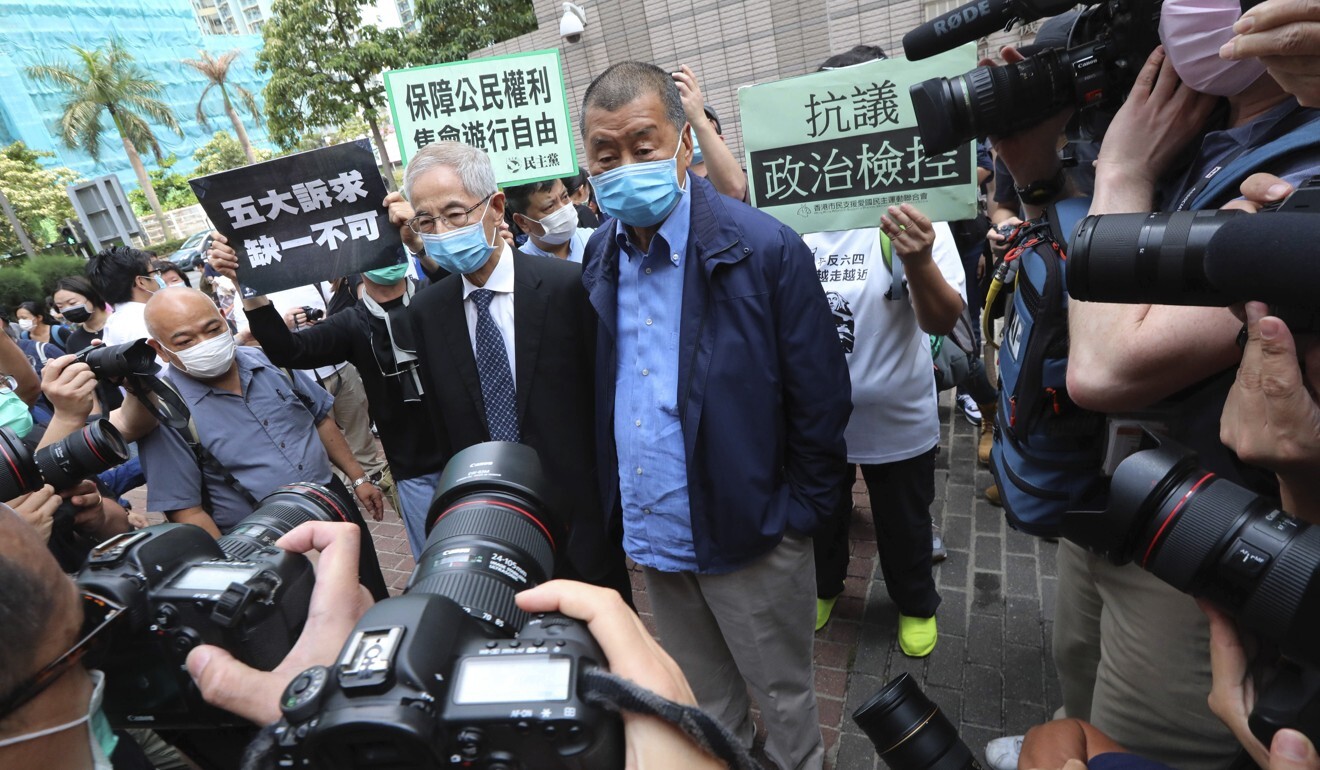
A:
(614, 693)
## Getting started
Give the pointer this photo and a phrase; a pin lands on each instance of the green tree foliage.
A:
(171, 186)
(36, 193)
(18, 285)
(105, 81)
(50, 267)
(222, 153)
(448, 30)
(323, 64)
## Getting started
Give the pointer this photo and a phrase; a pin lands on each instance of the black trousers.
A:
(369, 574)
(901, 494)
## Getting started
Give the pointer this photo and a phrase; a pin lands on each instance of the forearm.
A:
(937, 304)
(337, 448)
(61, 425)
(195, 516)
(722, 169)
(1120, 193)
(326, 343)
(133, 419)
(1125, 357)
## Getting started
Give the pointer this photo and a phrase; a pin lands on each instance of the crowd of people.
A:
(703, 400)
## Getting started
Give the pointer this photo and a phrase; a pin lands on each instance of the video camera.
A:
(1213, 539)
(453, 672)
(178, 588)
(1107, 46)
(1205, 258)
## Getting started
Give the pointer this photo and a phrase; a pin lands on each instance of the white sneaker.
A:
(1003, 753)
(937, 550)
(972, 412)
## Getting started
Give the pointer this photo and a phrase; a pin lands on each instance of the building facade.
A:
(728, 44)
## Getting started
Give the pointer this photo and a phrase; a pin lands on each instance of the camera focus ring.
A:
(1276, 602)
(1208, 513)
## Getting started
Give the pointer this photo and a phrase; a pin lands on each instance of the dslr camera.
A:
(1107, 46)
(452, 672)
(176, 587)
(1213, 539)
(313, 313)
(95, 449)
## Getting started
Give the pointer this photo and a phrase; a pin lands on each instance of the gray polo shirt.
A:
(265, 437)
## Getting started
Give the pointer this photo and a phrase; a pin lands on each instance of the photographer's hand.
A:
(337, 603)
(70, 386)
(38, 509)
(1272, 415)
(1032, 154)
(1232, 691)
(635, 655)
(1258, 191)
(1285, 35)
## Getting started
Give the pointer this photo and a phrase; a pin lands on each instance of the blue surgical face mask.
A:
(640, 194)
(387, 276)
(463, 250)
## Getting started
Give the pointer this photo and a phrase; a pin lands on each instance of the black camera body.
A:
(182, 589)
(421, 683)
(313, 313)
(1107, 46)
(96, 448)
(112, 362)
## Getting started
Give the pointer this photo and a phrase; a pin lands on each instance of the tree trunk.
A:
(386, 170)
(239, 130)
(144, 182)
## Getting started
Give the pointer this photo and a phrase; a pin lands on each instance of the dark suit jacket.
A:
(555, 333)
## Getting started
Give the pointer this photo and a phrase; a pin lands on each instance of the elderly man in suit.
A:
(506, 345)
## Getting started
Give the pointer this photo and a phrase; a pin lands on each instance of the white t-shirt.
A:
(128, 323)
(895, 413)
(284, 301)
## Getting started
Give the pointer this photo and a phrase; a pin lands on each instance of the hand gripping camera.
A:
(453, 673)
(179, 588)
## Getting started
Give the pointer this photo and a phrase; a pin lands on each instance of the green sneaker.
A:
(823, 609)
(916, 636)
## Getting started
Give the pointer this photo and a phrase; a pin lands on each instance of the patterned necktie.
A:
(497, 388)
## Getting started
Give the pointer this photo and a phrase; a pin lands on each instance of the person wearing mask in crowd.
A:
(505, 344)
(125, 277)
(257, 427)
(579, 192)
(84, 307)
(544, 211)
(374, 335)
(1131, 650)
(711, 157)
(171, 273)
(37, 324)
(912, 289)
(722, 399)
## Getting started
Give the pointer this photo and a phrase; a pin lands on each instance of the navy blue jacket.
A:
(764, 393)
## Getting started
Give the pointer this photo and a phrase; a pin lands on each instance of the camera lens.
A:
(279, 512)
(1214, 539)
(18, 474)
(910, 732)
(114, 361)
(1145, 258)
(490, 535)
(95, 449)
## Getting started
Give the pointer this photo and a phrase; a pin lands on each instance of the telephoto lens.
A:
(96, 448)
(490, 534)
(1145, 259)
(910, 732)
(114, 361)
(279, 512)
(1213, 539)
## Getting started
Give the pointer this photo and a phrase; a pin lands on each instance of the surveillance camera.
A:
(572, 23)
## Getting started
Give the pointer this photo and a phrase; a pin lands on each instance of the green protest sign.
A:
(514, 107)
(832, 150)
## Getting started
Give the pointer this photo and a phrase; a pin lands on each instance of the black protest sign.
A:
(303, 218)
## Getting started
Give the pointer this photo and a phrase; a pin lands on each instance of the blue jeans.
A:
(415, 499)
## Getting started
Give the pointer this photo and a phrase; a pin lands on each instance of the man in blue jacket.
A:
(722, 397)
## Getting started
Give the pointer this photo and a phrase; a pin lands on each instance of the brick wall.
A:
(728, 44)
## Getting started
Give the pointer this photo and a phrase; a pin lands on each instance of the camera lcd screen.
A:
(513, 679)
(210, 577)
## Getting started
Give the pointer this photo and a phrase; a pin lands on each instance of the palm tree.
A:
(216, 70)
(107, 80)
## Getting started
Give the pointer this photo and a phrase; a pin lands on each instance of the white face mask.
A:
(207, 360)
(101, 738)
(26, 324)
(559, 226)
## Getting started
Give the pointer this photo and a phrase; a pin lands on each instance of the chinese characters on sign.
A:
(513, 107)
(302, 218)
(848, 147)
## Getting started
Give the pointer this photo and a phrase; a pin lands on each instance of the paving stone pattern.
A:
(991, 672)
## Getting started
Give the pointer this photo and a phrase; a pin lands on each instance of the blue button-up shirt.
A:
(576, 246)
(265, 437)
(657, 523)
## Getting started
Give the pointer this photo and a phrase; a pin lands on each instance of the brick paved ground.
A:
(991, 671)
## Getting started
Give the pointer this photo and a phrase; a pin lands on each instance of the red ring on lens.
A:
(501, 504)
(1177, 509)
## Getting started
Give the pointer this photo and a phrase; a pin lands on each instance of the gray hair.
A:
(472, 165)
(622, 83)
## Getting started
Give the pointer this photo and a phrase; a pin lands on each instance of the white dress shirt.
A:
(501, 305)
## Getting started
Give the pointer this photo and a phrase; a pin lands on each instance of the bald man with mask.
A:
(261, 427)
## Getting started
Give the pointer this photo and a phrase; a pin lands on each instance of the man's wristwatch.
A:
(1041, 192)
(360, 481)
